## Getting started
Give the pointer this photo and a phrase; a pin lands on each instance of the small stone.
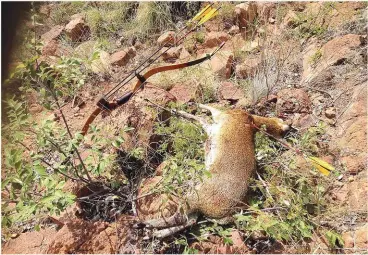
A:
(229, 91)
(356, 239)
(234, 30)
(330, 112)
(293, 101)
(184, 93)
(77, 30)
(121, 58)
(172, 53)
(248, 68)
(214, 39)
(354, 163)
(251, 46)
(223, 65)
(53, 34)
(351, 179)
(245, 13)
(340, 177)
(50, 48)
(289, 19)
(261, 31)
(138, 45)
(160, 168)
(303, 121)
(167, 39)
(14, 235)
(184, 54)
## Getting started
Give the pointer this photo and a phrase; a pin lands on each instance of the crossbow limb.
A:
(104, 105)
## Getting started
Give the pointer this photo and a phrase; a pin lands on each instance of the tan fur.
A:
(230, 171)
(230, 158)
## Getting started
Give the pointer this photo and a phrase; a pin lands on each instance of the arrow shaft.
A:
(150, 59)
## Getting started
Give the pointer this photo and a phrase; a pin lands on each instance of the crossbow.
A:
(104, 105)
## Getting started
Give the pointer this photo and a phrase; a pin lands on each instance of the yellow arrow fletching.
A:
(203, 12)
(322, 165)
(208, 16)
(323, 170)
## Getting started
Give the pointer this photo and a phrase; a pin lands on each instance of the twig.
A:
(49, 165)
(91, 195)
(69, 132)
(264, 185)
(144, 195)
(341, 113)
(266, 209)
(321, 91)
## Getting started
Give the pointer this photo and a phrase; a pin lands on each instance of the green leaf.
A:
(43, 92)
(334, 239)
(40, 170)
(37, 228)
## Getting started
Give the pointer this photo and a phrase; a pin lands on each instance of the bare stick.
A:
(70, 134)
(49, 165)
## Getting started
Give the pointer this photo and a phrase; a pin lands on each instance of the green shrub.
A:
(313, 60)
(182, 150)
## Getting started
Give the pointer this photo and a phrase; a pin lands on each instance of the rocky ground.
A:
(309, 79)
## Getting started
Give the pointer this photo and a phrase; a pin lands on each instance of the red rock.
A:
(356, 239)
(215, 245)
(77, 30)
(50, 48)
(29, 242)
(248, 68)
(184, 93)
(121, 58)
(172, 53)
(229, 91)
(245, 13)
(154, 206)
(237, 239)
(155, 94)
(293, 101)
(35, 108)
(332, 53)
(304, 121)
(358, 192)
(88, 237)
(160, 168)
(352, 125)
(166, 39)
(53, 34)
(184, 54)
(142, 115)
(264, 10)
(223, 65)
(289, 19)
(355, 164)
(214, 39)
(340, 194)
